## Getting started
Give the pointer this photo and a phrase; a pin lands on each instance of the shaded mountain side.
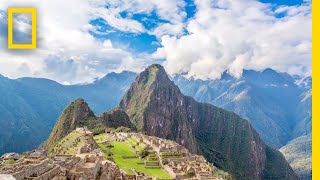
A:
(267, 99)
(22, 127)
(29, 107)
(304, 114)
(298, 154)
(115, 119)
(156, 105)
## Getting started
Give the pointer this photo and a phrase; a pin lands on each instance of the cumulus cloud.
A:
(227, 35)
(66, 51)
(223, 35)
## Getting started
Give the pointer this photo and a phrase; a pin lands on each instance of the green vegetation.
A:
(134, 143)
(126, 158)
(223, 137)
(276, 166)
(70, 144)
(77, 114)
(11, 161)
(123, 129)
(116, 118)
(141, 97)
(298, 154)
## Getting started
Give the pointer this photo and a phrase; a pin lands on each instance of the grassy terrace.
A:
(123, 149)
(133, 142)
(66, 145)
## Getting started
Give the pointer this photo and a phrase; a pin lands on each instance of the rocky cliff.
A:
(116, 118)
(156, 105)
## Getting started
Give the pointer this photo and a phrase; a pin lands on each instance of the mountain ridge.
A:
(26, 101)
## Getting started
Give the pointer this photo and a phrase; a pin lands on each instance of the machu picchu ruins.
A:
(113, 155)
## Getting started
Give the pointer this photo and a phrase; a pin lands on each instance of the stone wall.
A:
(50, 174)
(34, 171)
(72, 163)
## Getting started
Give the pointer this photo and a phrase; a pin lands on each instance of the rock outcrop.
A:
(116, 118)
(156, 106)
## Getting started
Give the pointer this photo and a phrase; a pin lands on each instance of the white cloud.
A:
(223, 35)
(66, 51)
(236, 35)
(170, 10)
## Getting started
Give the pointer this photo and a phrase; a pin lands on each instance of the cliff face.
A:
(156, 105)
(77, 114)
(116, 118)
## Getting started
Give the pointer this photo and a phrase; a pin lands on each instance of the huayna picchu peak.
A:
(156, 132)
(156, 106)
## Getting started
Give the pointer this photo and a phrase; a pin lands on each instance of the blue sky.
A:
(199, 38)
(146, 43)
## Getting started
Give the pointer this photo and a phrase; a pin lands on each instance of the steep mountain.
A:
(298, 154)
(266, 99)
(77, 114)
(29, 107)
(156, 106)
(116, 118)
(303, 111)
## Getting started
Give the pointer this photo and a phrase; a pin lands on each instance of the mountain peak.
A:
(76, 114)
(154, 76)
(113, 77)
(156, 106)
(156, 70)
(157, 67)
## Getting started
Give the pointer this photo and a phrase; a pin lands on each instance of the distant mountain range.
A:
(29, 107)
(278, 105)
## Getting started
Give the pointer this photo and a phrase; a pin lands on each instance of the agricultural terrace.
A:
(70, 144)
(127, 155)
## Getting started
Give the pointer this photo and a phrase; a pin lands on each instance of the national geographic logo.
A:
(33, 12)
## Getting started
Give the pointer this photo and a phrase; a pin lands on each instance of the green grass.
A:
(133, 142)
(100, 138)
(121, 149)
(66, 144)
(11, 161)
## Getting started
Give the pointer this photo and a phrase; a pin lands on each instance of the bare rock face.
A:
(10, 156)
(156, 106)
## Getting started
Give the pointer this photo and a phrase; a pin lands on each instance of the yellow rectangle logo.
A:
(33, 44)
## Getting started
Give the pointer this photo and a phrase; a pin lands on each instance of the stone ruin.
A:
(176, 160)
(90, 164)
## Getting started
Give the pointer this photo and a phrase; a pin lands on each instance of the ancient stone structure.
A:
(90, 164)
(176, 160)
